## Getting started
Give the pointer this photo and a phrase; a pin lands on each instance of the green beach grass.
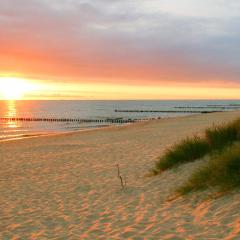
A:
(186, 151)
(219, 137)
(216, 139)
(222, 171)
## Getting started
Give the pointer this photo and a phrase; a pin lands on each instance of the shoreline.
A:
(60, 133)
(29, 136)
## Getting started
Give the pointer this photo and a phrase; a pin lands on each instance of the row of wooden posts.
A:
(112, 120)
(165, 111)
(107, 120)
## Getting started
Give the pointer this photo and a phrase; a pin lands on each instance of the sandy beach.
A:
(66, 186)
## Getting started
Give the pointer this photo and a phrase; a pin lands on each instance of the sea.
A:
(51, 117)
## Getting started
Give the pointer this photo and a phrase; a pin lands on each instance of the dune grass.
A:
(222, 171)
(186, 151)
(219, 137)
(216, 139)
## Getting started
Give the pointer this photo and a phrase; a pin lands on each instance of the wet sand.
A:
(66, 186)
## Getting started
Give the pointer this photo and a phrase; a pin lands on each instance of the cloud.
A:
(133, 41)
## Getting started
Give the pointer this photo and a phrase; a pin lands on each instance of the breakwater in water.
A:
(107, 120)
(164, 111)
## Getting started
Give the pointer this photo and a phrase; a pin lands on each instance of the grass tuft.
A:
(186, 151)
(216, 138)
(221, 136)
(222, 171)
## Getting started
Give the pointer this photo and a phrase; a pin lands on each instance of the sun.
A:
(14, 88)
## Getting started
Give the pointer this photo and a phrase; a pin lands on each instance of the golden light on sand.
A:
(12, 88)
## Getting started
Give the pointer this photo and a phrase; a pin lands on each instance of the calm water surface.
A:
(89, 110)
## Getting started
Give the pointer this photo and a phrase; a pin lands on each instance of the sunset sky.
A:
(120, 49)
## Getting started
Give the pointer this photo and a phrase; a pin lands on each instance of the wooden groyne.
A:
(205, 107)
(164, 111)
(224, 105)
(107, 120)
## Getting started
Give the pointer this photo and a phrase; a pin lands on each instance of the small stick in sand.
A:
(120, 177)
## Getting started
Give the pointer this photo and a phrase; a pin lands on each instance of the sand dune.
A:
(66, 186)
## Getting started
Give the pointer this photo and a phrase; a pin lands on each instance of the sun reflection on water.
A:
(11, 112)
